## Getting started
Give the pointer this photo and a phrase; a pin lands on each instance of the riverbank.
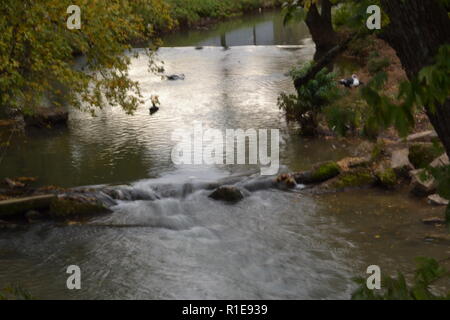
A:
(201, 13)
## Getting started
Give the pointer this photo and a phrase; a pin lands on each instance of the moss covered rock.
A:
(325, 171)
(320, 173)
(421, 155)
(387, 178)
(422, 183)
(69, 207)
(355, 178)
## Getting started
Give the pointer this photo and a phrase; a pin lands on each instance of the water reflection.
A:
(258, 29)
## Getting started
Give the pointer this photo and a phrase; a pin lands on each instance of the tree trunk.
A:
(321, 28)
(417, 29)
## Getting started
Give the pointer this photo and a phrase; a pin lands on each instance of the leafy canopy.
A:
(37, 52)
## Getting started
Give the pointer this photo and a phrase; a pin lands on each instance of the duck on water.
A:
(155, 102)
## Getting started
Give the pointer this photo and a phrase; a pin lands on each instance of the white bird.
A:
(352, 82)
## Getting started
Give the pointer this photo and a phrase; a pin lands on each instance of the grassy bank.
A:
(198, 12)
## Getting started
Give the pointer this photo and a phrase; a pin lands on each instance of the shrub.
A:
(342, 119)
(428, 271)
(376, 65)
(310, 100)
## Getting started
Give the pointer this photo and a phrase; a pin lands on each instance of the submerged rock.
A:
(227, 193)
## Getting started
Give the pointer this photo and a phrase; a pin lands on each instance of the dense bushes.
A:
(310, 100)
(37, 49)
(190, 12)
(427, 273)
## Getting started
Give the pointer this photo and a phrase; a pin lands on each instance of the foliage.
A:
(346, 115)
(377, 64)
(308, 103)
(428, 272)
(190, 12)
(342, 15)
(430, 87)
(421, 155)
(37, 50)
(155, 14)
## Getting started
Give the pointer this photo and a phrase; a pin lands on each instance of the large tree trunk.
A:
(321, 28)
(417, 29)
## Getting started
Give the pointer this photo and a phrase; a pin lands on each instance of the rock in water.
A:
(227, 193)
(286, 181)
(437, 200)
(440, 161)
(386, 178)
(400, 162)
(423, 184)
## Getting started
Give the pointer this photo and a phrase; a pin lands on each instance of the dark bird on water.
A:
(155, 101)
(175, 77)
(352, 82)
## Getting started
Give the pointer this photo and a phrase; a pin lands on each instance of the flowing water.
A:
(271, 245)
